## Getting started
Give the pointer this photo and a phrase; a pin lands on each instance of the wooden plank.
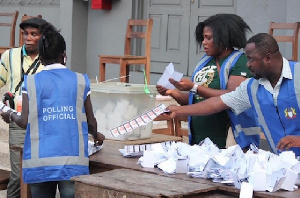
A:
(109, 158)
(142, 184)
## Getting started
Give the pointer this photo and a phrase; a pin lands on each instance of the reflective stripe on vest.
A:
(297, 82)
(254, 87)
(204, 60)
(225, 69)
(247, 131)
(35, 161)
(237, 120)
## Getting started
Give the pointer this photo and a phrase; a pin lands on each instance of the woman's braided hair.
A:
(52, 45)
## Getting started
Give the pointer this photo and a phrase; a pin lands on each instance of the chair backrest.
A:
(9, 19)
(25, 17)
(138, 29)
(293, 39)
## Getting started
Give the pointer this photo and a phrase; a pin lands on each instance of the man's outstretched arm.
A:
(207, 107)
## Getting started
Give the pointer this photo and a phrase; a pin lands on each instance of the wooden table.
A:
(110, 158)
(25, 190)
(121, 183)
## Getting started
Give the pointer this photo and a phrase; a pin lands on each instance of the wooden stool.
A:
(4, 179)
(169, 130)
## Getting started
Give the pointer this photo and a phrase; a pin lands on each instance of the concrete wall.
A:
(49, 11)
(259, 13)
(106, 33)
(74, 23)
(89, 33)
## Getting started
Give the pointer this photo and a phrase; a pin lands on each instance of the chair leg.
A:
(170, 124)
(101, 71)
(147, 71)
(177, 127)
(127, 73)
(123, 71)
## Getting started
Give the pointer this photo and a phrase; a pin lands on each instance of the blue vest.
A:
(278, 122)
(56, 141)
(244, 126)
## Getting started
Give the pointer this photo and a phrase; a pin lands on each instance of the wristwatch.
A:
(194, 89)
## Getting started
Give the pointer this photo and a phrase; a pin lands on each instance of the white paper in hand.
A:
(169, 73)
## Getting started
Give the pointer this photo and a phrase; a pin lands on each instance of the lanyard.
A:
(34, 65)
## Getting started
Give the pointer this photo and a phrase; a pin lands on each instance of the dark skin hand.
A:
(287, 142)
(5, 116)
(99, 139)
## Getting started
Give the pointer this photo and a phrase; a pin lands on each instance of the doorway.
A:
(174, 23)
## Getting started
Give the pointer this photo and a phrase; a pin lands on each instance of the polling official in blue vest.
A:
(274, 93)
(58, 115)
(221, 70)
(245, 127)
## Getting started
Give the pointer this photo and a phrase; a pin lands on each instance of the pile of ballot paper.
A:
(263, 170)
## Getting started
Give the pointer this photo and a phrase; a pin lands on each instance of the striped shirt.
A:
(238, 100)
(11, 68)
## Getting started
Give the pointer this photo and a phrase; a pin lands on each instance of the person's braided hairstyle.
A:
(229, 30)
(52, 45)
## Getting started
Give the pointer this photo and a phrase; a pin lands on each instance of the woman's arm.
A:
(206, 92)
(181, 98)
(92, 122)
(20, 120)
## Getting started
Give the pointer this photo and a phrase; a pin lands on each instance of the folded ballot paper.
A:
(92, 148)
(138, 121)
(169, 73)
(255, 170)
(4, 108)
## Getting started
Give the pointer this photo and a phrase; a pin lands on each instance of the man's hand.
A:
(183, 85)
(6, 116)
(287, 142)
(99, 139)
(174, 110)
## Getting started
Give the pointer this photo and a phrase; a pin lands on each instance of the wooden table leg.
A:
(25, 190)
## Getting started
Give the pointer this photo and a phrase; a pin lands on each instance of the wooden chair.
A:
(25, 17)
(179, 131)
(170, 125)
(12, 17)
(293, 39)
(134, 28)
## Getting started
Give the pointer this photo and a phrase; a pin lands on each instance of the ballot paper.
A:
(169, 73)
(246, 190)
(255, 170)
(4, 108)
(92, 148)
(138, 121)
(148, 161)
